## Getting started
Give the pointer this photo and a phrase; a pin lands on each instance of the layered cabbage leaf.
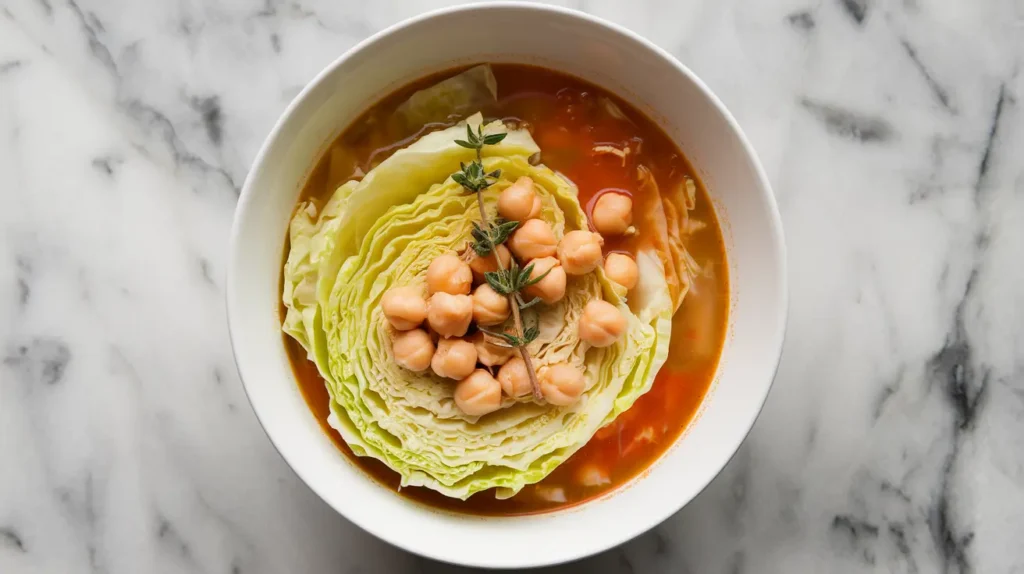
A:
(382, 232)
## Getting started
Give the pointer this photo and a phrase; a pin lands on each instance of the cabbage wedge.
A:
(382, 232)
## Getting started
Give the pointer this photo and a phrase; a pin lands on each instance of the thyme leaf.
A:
(529, 335)
(523, 305)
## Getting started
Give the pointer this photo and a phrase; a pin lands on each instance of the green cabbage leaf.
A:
(382, 232)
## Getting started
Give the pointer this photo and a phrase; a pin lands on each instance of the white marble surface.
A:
(893, 132)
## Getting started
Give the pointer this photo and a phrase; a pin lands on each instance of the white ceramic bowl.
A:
(619, 61)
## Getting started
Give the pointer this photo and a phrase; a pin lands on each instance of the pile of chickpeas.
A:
(456, 296)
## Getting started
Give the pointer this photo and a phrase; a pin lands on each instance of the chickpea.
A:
(480, 265)
(514, 379)
(489, 306)
(580, 252)
(621, 269)
(612, 214)
(562, 384)
(601, 323)
(488, 353)
(455, 358)
(533, 239)
(551, 288)
(404, 307)
(413, 350)
(519, 201)
(449, 274)
(449, 315)
(478, 394)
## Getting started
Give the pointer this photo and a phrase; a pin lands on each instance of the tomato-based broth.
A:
(574, 123)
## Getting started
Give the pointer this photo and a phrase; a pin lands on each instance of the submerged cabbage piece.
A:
(672, 226)
(382, 232)
(453, 97)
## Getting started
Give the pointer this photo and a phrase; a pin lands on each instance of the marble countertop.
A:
(893, 134)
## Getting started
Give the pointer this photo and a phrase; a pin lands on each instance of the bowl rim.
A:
(778, 245)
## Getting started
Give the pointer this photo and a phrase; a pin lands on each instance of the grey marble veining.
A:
(893, 134)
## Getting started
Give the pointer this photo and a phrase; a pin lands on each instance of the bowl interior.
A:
(600, 53)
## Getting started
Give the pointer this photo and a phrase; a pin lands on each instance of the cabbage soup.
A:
(504, 291)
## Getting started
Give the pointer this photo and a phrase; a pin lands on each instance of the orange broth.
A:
(567, 119)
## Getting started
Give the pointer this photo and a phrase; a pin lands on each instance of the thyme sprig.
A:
(473, 177)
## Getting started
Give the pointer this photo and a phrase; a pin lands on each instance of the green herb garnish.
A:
(507, 281)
